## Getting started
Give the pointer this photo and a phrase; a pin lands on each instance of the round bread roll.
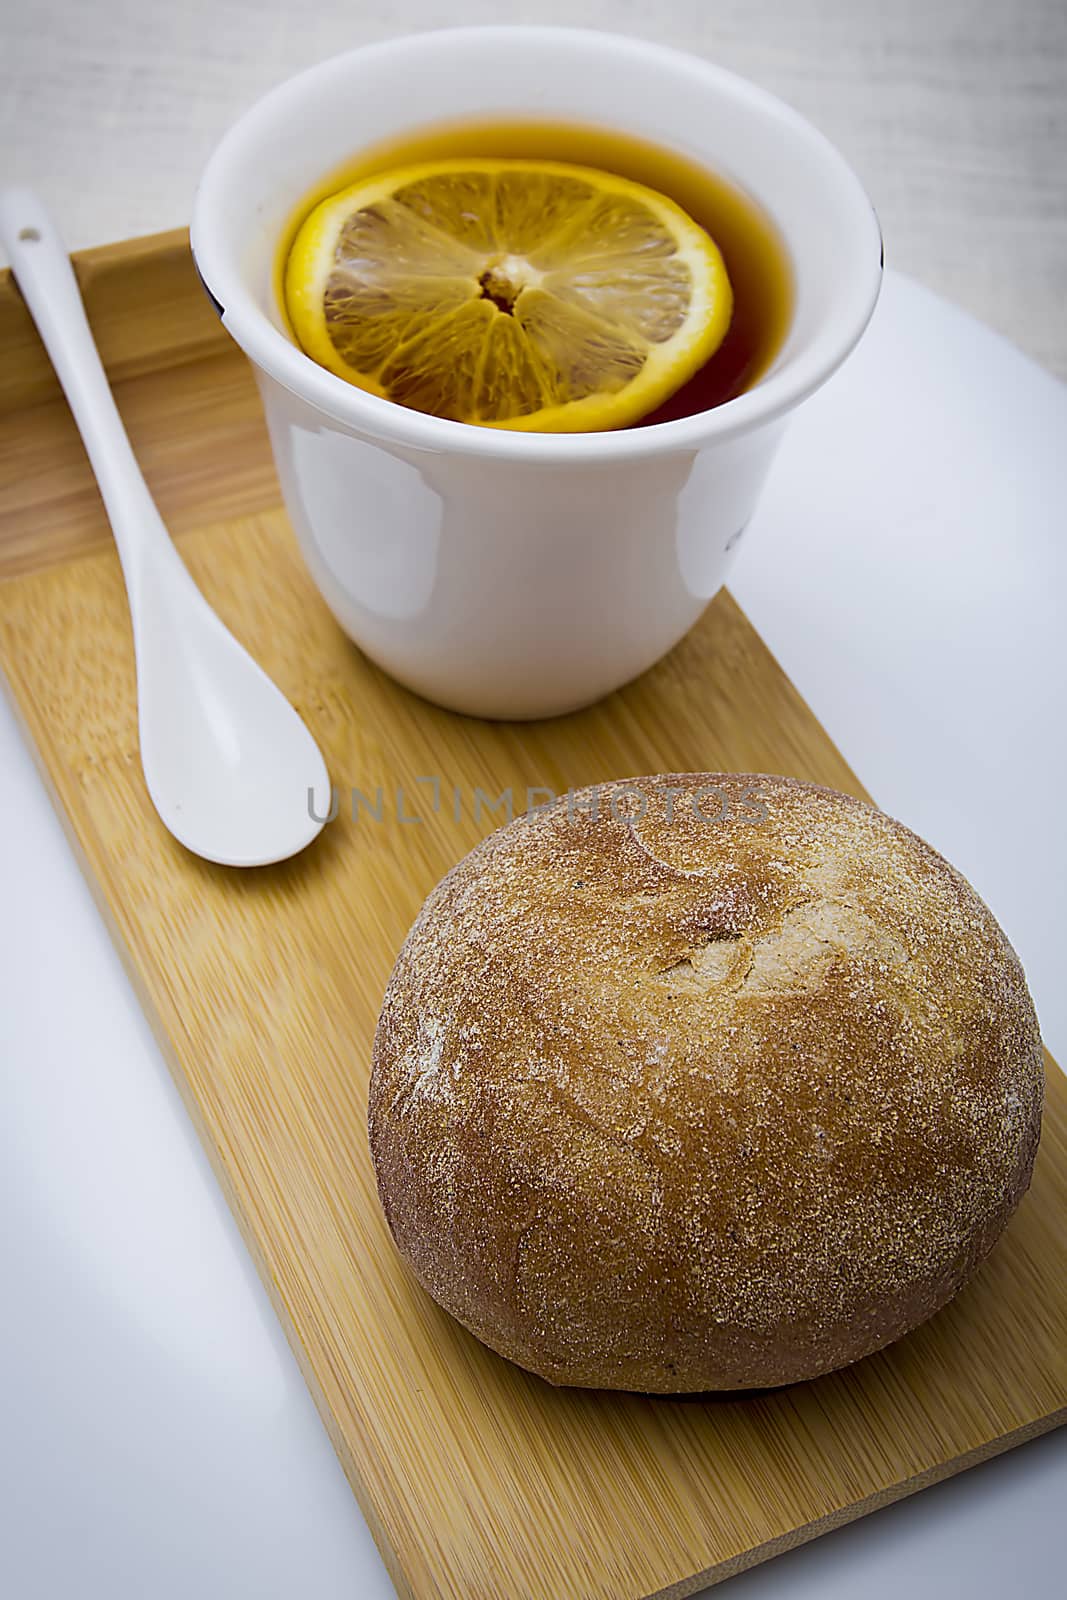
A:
(702, 1082)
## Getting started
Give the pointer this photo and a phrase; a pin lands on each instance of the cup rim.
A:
(771, 398)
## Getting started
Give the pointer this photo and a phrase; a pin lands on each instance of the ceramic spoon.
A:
(228, 762)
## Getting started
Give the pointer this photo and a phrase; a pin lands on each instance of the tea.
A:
(755, 256)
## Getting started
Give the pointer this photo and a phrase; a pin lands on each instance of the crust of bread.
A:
(701, 1082)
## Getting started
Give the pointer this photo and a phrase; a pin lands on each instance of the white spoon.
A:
(229, 765)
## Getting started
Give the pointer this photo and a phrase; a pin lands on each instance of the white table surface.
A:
(157, 1439)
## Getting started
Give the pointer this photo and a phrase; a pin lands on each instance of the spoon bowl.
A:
(231, 768)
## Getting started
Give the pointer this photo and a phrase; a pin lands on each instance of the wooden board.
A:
(478, 1480)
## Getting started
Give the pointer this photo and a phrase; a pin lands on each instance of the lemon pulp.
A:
(516, 294)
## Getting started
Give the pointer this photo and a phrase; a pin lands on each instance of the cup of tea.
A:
(520, 567)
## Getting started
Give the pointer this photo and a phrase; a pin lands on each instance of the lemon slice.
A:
(513, 294)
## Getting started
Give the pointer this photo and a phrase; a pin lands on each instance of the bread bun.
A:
(702, 1082)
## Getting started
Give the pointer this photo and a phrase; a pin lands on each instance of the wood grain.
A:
(145, 306)
(478, 1480)
(181, 387)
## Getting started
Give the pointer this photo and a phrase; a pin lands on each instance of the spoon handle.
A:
(43, 271)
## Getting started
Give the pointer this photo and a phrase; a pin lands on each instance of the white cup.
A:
(511, 574)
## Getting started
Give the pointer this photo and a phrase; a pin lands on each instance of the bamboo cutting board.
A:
(479, 1481)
